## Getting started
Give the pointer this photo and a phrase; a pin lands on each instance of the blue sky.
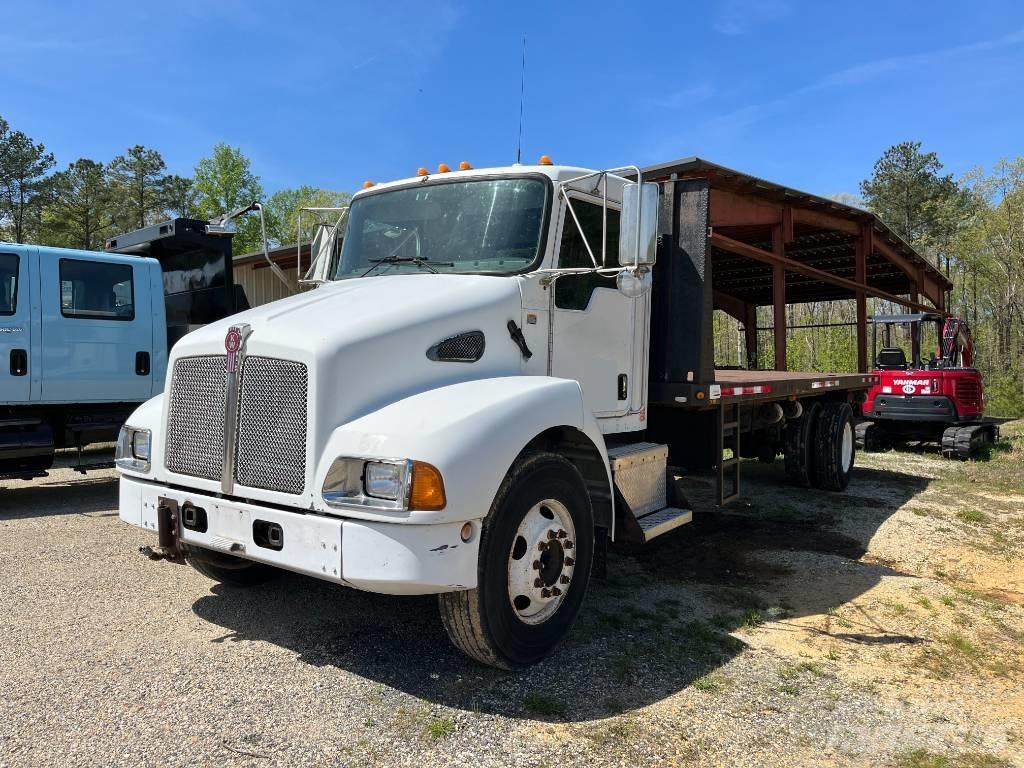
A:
(804, 93)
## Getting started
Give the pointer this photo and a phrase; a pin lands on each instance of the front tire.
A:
(536, 552)
(228, 569)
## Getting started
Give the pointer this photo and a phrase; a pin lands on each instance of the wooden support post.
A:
(915, 331)
(779, 299)
(864, 247)
(750, 334)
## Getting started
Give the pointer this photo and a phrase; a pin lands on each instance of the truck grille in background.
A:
(195, 418)
(968, 392)
(271, 452)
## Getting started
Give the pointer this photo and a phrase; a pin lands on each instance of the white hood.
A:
(365, 340)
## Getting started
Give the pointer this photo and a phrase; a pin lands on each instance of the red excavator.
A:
(940, 400)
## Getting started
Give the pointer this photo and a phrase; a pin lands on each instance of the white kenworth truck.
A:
(463, 404)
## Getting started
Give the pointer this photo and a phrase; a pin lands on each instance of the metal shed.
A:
(771, 245)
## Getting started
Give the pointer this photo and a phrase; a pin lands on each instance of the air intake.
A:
(466, 347)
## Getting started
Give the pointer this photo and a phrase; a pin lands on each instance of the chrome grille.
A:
(195, 419)
(271, 448)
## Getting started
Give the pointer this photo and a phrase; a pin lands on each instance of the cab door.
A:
(15, 324)
(97, 328)
(594, 325)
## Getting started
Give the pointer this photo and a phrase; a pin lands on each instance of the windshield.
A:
(485, 226)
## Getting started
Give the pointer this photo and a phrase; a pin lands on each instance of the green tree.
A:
(909, 192)
(137, 179)
(178, 197)
(23, 183)
(282, 209)
(225, 181)
(80, 211)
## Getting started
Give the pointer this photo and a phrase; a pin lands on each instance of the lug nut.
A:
(538, 582)
(546, 592)
(568, 544)
(570, 562)
(564, 579)
(542, 546)
(537, 565)
(556, 591)
(562, 534)
(552, 534)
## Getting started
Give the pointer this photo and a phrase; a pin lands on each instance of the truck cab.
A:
(461, 406)
(82, 343)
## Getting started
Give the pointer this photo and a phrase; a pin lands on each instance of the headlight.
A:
(393, 484)
(133, 449)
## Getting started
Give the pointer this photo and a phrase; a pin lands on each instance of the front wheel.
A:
(536, 550)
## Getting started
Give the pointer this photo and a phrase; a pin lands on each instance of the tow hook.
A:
(168, 520)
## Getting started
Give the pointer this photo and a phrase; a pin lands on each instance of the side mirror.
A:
(638, 225)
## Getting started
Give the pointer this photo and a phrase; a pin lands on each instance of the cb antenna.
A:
(522, 97)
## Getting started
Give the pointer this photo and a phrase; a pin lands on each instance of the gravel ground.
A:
(881, 627)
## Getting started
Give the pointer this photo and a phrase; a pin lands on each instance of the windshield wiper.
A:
(425, 263)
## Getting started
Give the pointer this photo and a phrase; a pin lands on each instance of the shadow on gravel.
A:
(661, 620)
(47, 496)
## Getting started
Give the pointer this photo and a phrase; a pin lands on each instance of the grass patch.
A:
(919, 512)
(971, 515)
(615, 733)
(923, 758)
(947, 601)
(961, 645)
(924, 602)
(897, 608)
(543, 705)
(711, 683)
(791, 671)
(440, 727)
(790, 689)
(751, 619)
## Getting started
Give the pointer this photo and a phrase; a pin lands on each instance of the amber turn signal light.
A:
(427, 491)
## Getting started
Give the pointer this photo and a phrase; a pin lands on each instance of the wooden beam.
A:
(750, 335)
(729, 209)
(860, 275)
(787, 225)
(730, 305)
(766, 257)
(915, 330)
(779, 297)
(824, 220)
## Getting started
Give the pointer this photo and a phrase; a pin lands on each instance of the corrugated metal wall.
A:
(262, 286)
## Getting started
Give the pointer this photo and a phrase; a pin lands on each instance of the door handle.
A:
(142, 363)
(19, 362)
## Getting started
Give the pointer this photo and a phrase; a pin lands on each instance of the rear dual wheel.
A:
(820, 446)
(536, 550)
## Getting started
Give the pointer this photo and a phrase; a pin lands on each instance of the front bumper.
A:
(938, 408)
(390, 558)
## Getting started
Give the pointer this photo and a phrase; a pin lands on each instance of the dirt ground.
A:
(883, 626)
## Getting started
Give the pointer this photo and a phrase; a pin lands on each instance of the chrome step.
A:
(654, 524)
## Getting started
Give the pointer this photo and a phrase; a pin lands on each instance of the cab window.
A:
(8, 283)
(574, 291)
(96, 290)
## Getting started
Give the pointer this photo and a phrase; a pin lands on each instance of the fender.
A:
(471, 431)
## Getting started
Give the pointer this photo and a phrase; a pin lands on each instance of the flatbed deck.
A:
(734, 384)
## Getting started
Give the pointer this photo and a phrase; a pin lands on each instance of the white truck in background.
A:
(461, 407)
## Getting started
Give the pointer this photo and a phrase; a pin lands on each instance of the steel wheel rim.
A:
(541, 562)
(847, 449)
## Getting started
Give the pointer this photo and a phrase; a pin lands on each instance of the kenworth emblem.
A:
(232, 343)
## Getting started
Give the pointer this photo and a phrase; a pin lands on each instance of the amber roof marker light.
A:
(443, 168)
(465, 166)
(545, 160)
(422, 171)
(367, 184)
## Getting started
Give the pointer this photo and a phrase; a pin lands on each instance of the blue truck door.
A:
(96, 327)
(15, 324)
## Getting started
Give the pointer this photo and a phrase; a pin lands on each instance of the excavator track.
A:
(962, 442)
(871, 437)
